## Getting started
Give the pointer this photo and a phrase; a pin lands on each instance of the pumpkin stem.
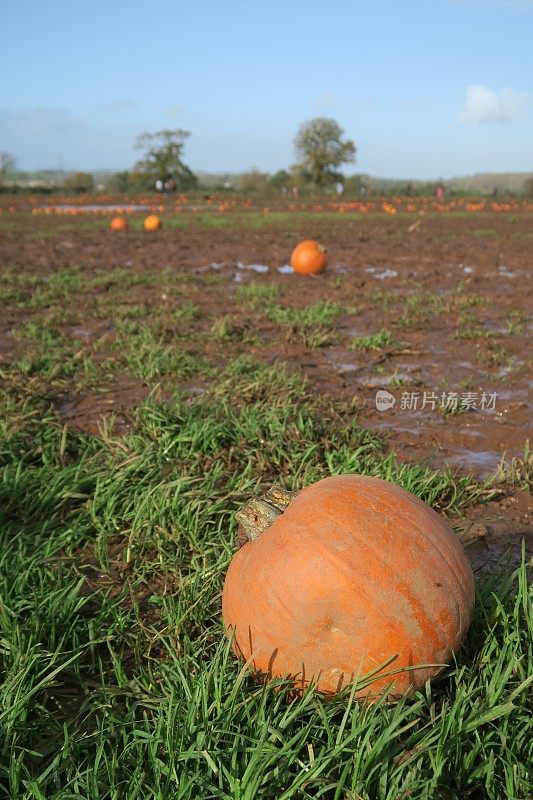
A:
(258, 515)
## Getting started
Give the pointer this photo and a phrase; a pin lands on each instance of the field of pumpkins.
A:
(266, 505)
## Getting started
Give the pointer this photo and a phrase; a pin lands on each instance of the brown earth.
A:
(454, 293)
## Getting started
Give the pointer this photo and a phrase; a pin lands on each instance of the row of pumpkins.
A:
(307, 258)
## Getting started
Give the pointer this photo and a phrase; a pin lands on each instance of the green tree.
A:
(163, 157)
(79, 182)
(118, 182)
(280, 180)
(8, 165)
(353, 185)
(252, 182)
(321, 148)
(528, 187)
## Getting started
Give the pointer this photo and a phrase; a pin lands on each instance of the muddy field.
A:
(434, 310)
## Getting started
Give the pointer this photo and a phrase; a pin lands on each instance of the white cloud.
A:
(484, 105)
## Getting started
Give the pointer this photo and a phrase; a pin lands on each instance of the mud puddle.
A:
(109, 408)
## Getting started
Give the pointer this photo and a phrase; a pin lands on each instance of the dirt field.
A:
(150, 385)
(437, 316)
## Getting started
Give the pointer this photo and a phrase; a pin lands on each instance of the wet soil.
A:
(453, 292)
(494, 534)
(476, 271)
(106, 409)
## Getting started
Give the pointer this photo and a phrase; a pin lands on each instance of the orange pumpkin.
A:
(309, 258)
(152, 223)
(355, 576)
(118, 224)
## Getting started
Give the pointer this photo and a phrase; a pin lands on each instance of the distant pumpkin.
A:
(309, 258)
(118, 224)
(351, 577)
(152, 223)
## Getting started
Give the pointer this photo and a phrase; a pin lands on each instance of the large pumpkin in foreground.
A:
(309, 258)
(339, 579)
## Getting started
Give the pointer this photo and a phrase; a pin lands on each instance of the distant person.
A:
(495, 192)
(160, 185)
(339, 188)
(294, 191)
(170, 185)
(409, 189)
(439, 192)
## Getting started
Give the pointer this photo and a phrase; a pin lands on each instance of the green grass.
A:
(257, 294)
(117, 678)
(322, 313)
(374, 341)
(229, 328)
(517, 471)
(312, 325)
(472, 332)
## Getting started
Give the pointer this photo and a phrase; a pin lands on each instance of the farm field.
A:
(150, 383)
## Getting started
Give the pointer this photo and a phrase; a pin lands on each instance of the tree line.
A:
(321, 150)
(320, 145)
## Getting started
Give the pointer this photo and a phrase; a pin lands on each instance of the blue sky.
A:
(432, 88)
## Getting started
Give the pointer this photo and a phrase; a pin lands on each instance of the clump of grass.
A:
(118, 279)
(313, 337)
(519, 315)
(62, 316)
(322, 313)
(452, 409)
(474, 333)
(514, 327)
(257, 294)
(228, 328)
(436, 301)
(495, 355)
(185, 313)
(518, 471)
(311, 325)
(42, 332)
(412, 318)
(469, 300)
(466, 318)
(383, 298)
(153, 361)
(374, 341)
